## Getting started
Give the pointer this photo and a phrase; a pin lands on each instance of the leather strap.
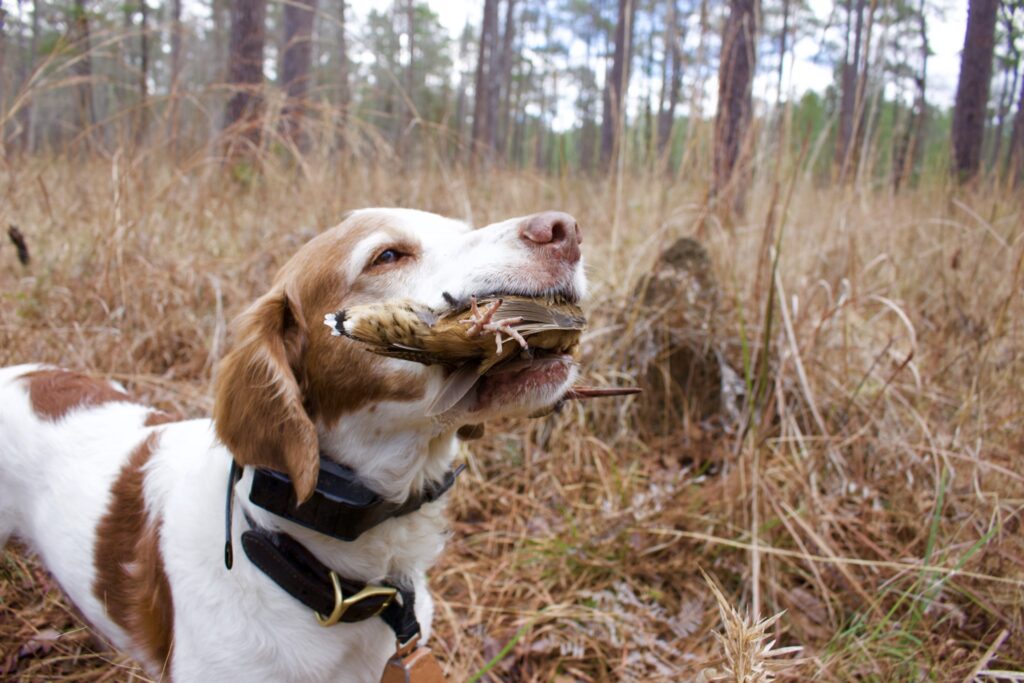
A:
(341, 506)
(300, 574)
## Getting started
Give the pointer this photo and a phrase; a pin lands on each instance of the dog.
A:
(126, 507)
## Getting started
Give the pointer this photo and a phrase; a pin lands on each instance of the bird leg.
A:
(483, 321)
(477, 319)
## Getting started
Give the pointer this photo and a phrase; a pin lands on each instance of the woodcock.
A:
(470, 338)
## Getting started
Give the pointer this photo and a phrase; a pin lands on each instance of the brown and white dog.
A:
(126, 508)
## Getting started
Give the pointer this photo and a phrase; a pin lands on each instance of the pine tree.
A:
(969, 111)
(735, 79)
(245, 68)
(82, 68)
(616, 85)
(296, 65)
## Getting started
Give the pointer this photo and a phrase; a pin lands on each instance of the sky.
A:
(947, 23)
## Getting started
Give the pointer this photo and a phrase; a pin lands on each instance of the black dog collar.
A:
(341, 507)
(332, 598)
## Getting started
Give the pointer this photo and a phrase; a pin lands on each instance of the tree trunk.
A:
(218, 10)
(539, 157)
(460, 114)
(845, 144)
(82, 70)
(408, 105)
(27, 113)
(176, 37)
(245, 68)
(344, 84)
(666, 58)
(969, 110)
(141, 121)
(410, 68)
(488, 34)
(910, 147)
(663, 97)
(1009, 89)
(735, 78)
(1015, 156)
(519, 117)
(617, 85)
(344, 93)
(296, 67)
(673, 54)
(507, 61)
(3, 71)
(649, 128)
(864, 118)
(588, 129)
(495, 70)
(127, 62)
(699, 81)
(1002, 111)
(782, 52)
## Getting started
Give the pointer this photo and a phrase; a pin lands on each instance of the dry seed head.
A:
(749, 656)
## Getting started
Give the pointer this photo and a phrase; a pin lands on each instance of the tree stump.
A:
(677, 356)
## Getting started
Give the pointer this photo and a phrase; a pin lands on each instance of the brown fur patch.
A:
(285, 370)
(55, 393)
(340, 375)
(130, 578)
(258, 410)
(156, 418)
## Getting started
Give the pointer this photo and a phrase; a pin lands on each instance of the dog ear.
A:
(258, 408)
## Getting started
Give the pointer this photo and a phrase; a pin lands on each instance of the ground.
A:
(869, 488)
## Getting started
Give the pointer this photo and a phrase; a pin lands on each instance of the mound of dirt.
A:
(681, 361)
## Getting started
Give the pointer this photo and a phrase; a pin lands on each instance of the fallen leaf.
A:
(41, 643)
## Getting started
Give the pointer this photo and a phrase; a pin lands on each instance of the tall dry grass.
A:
(872, 488)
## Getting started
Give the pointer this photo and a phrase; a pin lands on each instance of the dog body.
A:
(126, 508)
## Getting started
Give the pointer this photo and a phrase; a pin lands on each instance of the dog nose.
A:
(555, 231)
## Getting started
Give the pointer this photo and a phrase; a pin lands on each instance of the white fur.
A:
(55, 478)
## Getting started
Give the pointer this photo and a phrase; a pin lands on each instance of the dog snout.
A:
(554, 231)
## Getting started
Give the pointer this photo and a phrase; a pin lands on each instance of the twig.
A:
(987, 657)
(19, 243)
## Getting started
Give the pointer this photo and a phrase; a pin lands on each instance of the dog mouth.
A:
(564, 293)
(532, 379)
(534, 362)
(525, 383)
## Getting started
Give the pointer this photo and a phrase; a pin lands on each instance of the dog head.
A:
(288, 387)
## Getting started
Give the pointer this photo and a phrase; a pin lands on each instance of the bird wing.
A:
(455, 387)
(539, 315)
(410, 353)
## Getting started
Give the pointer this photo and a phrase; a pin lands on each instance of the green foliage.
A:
(384, 91)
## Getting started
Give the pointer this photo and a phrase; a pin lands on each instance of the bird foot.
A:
(483, 321)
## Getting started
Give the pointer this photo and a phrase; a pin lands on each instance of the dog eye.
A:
(387, 256)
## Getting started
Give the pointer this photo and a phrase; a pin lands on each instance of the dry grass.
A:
(872, 491)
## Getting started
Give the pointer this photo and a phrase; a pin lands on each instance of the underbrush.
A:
(869, 486)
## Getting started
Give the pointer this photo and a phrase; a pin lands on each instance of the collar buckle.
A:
(379, 598)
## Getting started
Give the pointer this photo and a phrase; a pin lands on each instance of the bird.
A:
(469, 337)
(488, 331)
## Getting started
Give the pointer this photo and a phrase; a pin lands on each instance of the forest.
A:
(558, 86)
(817, 285)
